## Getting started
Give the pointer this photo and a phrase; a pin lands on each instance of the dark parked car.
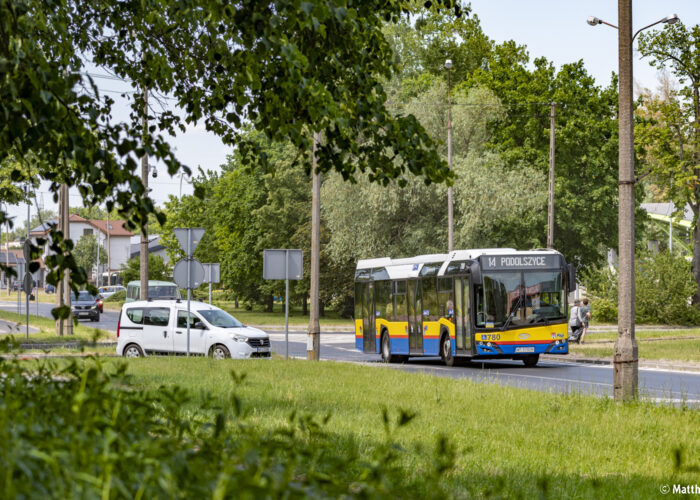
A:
(49, 288)
(85, 305)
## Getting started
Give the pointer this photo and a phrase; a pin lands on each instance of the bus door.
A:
(462, 315)
(415, 317)
(369, 339)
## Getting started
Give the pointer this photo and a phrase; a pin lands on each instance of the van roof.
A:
(194, 305)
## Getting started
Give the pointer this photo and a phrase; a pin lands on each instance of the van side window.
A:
(182, 320)
(157, 316)
(135, 315)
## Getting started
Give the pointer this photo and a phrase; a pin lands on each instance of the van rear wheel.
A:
(132, 351)
(219, 352)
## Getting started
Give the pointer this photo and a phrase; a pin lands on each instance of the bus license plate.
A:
(524, 349)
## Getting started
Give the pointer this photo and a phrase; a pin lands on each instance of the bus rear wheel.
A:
(531, 360)
(387, 357)
(446, 351)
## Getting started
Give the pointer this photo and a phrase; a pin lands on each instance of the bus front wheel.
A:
(531, 360)
(446, 351)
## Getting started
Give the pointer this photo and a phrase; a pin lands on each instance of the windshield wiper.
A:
(512, 311)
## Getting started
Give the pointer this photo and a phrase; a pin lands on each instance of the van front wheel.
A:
(219, 352)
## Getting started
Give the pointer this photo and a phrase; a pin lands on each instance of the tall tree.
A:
(672, 135)
(585, 191)
(85, 253)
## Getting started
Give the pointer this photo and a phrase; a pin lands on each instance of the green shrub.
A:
(664, 284)
(604, 310)
(119, 296)
(82, 432)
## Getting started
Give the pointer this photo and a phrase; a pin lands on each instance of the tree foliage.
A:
(669, 129)
(284, 67)
(85, 253)
(157, 269)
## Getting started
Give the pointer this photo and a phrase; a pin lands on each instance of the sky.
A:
(554, 29)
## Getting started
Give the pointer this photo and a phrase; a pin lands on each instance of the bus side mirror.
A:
(571, 270)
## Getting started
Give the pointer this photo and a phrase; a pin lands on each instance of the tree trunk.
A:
(235, 302)
(305, 305)
(696, 255)
(321, 308)
(270, 302)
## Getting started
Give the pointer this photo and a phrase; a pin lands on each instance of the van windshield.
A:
(222, 319)
(162, 292)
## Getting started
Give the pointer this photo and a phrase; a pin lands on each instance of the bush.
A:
(119, 296)
(664, 285)
(81, 432)
(604, 310)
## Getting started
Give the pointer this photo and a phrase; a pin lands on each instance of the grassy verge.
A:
(47, 327)
(676, 350)
(506, 442)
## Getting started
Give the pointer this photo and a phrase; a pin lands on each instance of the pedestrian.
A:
(575, 320)
(585, 317)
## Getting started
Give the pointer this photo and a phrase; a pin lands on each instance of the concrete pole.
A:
(7, 252)
(144, 229)
(313, 338)
(59, 285)
(550, 207)
(625, 359)
(450, 201)
(109, 252)
(66, 275)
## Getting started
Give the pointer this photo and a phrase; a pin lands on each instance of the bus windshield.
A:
(517, 298)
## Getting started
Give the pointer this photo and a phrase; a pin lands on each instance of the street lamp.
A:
(626, 360)
(450, 203)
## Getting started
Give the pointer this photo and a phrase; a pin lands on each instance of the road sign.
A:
(196, 273)
(276, 261)
(193, 233)
(27, 250)
(212, 273)
(284, 265)
(28, 283)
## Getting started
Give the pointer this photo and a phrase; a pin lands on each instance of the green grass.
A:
(47, 329)
(508, 442)
(669, 350)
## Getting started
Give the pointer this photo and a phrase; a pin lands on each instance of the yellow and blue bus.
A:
(474, 304)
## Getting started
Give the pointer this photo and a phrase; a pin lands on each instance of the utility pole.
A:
(625, 359)
(63, 290)
(450, 201)
(313, 339)
(109, 252)
(144, 180)
(550, 208)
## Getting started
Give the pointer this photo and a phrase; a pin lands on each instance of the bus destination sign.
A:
(506, 262)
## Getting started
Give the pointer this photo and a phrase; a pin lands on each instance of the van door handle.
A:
(177, 331)
(165, 333)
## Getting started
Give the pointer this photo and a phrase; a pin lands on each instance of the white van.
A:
(160, 326)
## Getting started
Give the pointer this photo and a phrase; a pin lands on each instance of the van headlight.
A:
(239, 338)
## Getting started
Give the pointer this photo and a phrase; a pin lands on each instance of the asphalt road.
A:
(108, 319)
(557, 376)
